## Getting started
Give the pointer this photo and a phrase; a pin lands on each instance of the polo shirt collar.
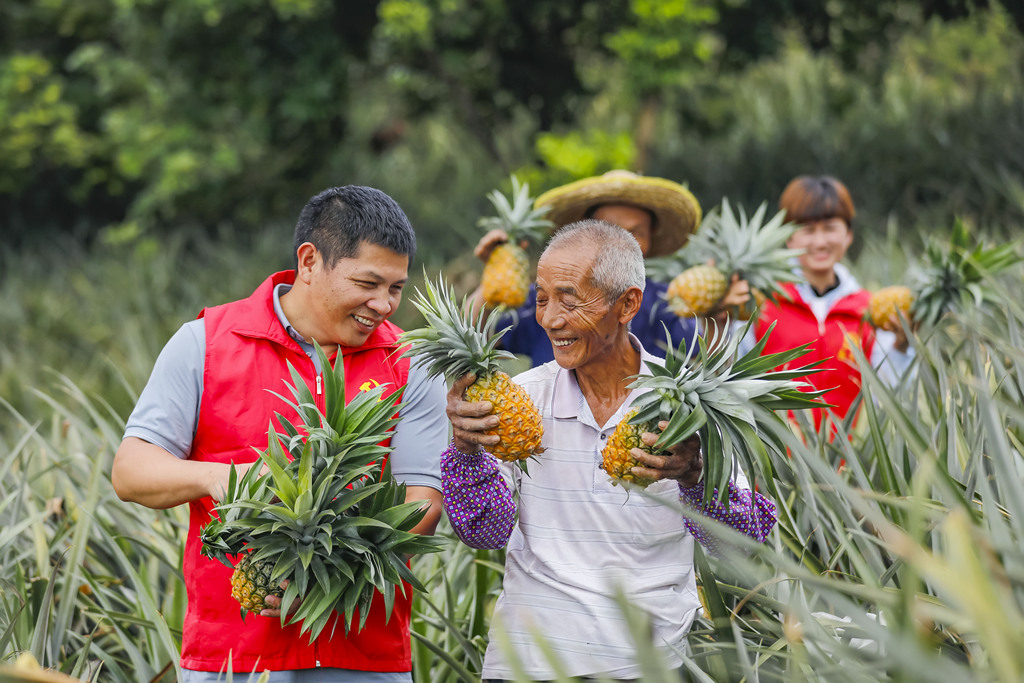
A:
(566, 395)
(279, 291)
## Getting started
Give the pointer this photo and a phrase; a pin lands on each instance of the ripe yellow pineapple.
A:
(453, 344)
(750, 247)
(26, 669)
(730, 400)
(888, 302)
(506, 277)
(321, 510)
(251, 583)
(696, 291)
(617, 460)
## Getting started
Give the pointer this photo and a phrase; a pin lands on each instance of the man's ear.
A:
(630, 304)
(309, 259)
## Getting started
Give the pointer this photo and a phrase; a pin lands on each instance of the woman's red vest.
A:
(247, 356)
(831, 341)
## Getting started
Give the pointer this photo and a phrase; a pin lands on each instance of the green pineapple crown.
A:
(737, 244)
(728, 399)
(749, 246)
(324, 511)
(517, 217)
(453, 342)
(954, 271)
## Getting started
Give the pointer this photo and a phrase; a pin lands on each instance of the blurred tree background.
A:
(181, 137)
(127, 117)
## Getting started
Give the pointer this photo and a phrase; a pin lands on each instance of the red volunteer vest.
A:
(832, 342)
(247, 356)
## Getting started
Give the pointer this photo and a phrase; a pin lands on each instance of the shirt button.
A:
(603, 437)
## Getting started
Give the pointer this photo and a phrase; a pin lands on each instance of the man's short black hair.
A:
(339, 219)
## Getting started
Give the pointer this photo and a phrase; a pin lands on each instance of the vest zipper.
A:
(319, 385)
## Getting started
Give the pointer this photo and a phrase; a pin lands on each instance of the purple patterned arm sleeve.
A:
(478, 503)
(749, 512)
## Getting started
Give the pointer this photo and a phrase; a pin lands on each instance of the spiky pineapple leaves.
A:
(455, 342)
(954, 273)
(517, 217)
(730, 400)
(322, 507)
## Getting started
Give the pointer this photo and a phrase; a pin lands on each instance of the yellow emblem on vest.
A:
(369, 385)
(850, 340)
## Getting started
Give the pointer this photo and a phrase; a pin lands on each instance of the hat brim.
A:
(676, 210)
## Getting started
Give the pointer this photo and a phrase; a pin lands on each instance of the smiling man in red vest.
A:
(210, 399)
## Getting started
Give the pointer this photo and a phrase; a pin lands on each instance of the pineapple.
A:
(325, 515)
(506, 277)
(697, 290)
(890, 302)
(26, 669)
(251, 583)
(750, 247)
(953, 272)
(617, 460)
(728, 399)
(454, 345)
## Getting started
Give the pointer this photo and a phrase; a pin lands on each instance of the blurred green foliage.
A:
(124, 118)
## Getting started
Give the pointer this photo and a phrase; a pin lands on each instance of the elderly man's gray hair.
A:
(619, 264)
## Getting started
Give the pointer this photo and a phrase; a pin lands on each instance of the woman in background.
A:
(826, 309)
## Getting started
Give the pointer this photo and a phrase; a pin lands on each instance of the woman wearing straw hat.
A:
(659, 213)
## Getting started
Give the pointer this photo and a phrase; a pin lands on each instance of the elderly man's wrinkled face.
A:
(576, 315)
(634, 220)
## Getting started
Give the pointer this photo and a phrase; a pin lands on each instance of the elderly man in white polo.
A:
(573, 536)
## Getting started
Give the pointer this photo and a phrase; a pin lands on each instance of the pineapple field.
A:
(898, 553)
(153, 156)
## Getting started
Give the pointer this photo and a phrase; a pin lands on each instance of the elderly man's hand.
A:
(470, 420)
(683, 463)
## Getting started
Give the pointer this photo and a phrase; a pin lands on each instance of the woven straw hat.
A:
(676, 209)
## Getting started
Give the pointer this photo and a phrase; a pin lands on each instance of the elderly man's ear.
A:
(630, 303)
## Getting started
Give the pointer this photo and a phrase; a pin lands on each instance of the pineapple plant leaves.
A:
(319, 509)
(506, 276)
(730, 400)
(751, 247)
(954, 274)
(455, 343)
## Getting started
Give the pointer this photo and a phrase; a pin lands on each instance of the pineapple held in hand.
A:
(326, 515)
(751, 248)
(506, 277)
(728, 399)
(252, 582)
(453, 345)
(617, 460)
(890, 303)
